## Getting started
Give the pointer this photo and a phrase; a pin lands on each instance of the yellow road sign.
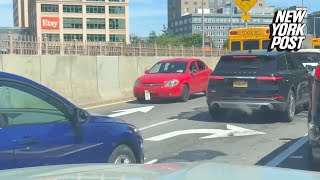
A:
(246, 17)
(245, 5)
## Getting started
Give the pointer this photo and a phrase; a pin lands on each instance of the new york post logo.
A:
(287, 30)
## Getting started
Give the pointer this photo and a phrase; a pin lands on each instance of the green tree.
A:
(135, 39)
(225, 43)
(152, 37)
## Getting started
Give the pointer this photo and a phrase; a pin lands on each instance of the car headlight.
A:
(171, 83)
(137, 83)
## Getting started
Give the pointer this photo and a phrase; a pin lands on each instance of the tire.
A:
(215, 113)
(185, 93)
(290, 111)
(122, 155)
(205, 93)
(306, 107)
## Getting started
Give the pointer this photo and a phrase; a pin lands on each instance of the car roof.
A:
(17, 78)
(254, 53)
(180, 59)
(310, 50)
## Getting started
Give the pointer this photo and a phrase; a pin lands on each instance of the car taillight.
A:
(216, 78)
(317, 73)
(269, 78)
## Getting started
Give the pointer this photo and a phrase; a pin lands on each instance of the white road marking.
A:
(215, 133)
(158, 124)
(130, 111)
(286, 153)
(152, 161)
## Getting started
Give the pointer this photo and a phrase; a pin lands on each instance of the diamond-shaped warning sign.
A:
(245, 5)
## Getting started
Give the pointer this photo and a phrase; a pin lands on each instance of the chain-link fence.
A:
(32, 46)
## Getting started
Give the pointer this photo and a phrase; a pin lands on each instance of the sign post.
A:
(245, 6)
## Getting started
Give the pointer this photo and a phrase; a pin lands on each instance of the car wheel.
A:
(205, 93)
(122, 155)
(185, 93)
(215, 113)
(290, 111)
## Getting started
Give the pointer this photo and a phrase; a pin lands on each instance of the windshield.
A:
(309, 57)
(169, 67)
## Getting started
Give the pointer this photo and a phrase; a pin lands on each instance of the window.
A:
(96, 9)
(201, 65)
(95, 23)
(297, 62)
(23, 105)
(265, 44)
(290, 63)
(49, 8)
(116, 9)
(235, 46)
(282, 63)
(117, 1)
(70, 37)
(72, 23)
(117, 24)
(72, 8)
(193, 68)
(96, 37)
(52, 37)
(117, 38)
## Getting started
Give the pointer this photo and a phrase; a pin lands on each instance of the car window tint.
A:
(282, 63)
(309, 57)
(296, 60)
(290, 62)
(201, 65)
(169, 67)
(193, 67)
(254, 65)
(22, 108)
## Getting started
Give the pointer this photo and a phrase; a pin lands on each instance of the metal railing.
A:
(32, 46)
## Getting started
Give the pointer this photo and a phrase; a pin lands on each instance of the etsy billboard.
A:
(51, 23)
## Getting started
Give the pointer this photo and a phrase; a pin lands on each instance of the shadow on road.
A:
(192, 156)
(297, 160)
(167, 101)
(233, 116)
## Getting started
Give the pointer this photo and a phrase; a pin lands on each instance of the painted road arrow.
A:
(130, 111)
(215, 133)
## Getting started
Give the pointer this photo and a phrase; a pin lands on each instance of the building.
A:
(313, 24)
(218, 20)
(177, 8)
(217, 26)
(16, 32)
(20, 13)
(84, 20)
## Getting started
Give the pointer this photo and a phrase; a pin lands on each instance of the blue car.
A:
(39, 127)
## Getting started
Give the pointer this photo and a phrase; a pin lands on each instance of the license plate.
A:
(147, 95)
(240, 84)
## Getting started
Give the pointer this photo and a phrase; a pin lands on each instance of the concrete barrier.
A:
(56, 74)
(128, 73)
(85, 80)
(27, 66)
(108, 78)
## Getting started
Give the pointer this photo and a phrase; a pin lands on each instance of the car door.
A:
(203, 75)
(6, 148)
(194, 78)
(37, 125)
(299, 78)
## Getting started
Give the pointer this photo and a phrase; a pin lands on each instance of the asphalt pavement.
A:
(184, 132)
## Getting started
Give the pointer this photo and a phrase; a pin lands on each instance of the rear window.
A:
(309, 57)
(265, 44)
(235, 46)
(243, 63)
(248, 45)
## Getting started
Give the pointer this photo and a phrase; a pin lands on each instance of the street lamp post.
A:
(202, 27)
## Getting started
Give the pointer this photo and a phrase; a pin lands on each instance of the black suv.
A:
(258, 80)
(314, 120)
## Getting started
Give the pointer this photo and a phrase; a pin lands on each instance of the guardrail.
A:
(33, 46)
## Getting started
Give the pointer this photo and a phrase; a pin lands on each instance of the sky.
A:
(148, 15)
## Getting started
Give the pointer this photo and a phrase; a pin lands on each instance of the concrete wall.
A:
(85, 80)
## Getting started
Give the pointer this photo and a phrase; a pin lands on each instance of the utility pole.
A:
(202, 27)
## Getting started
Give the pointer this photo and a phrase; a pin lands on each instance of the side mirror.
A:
(80, 115)
(309, 68)
(146, 71)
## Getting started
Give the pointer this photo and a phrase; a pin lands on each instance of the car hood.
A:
(175, 171)
(159, 78)
(98, 118)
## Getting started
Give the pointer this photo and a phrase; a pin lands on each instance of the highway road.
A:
(184, 132)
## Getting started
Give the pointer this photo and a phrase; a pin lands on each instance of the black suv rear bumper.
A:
(246, 104)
